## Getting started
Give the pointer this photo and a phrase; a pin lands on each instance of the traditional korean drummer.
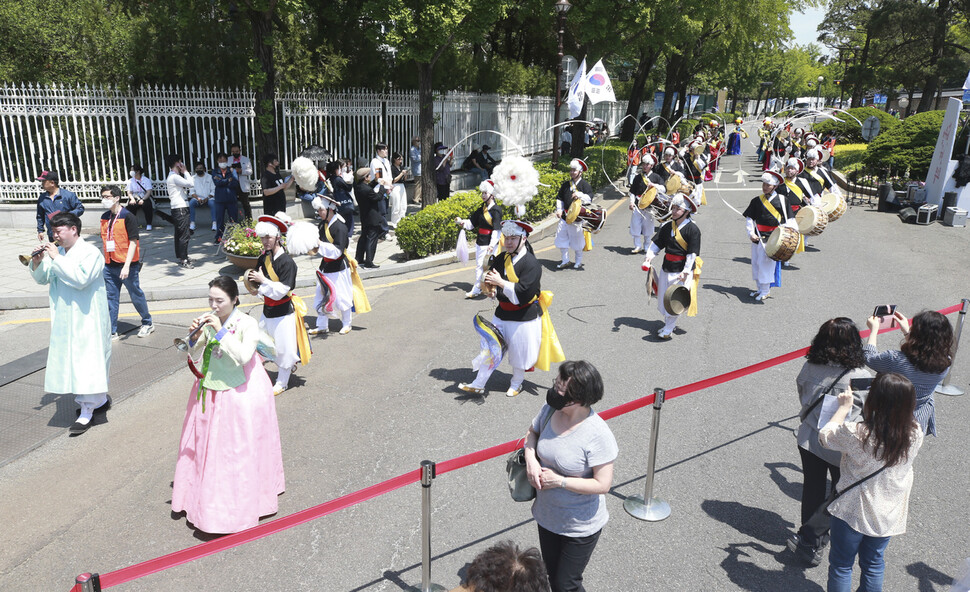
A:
(570, 235)
(816, 177)
(680, 239)
(647, 186)
(763, 215)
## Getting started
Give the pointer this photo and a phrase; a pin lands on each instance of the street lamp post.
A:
(562, 7)
(903, 104)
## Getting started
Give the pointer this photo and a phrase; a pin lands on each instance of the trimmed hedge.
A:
(909, 145)
(849, 156)
(849, 131)
(433, 229)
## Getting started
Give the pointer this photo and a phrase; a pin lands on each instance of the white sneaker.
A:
(148, 227)
(345, 330)
(146, 330)
(214, 227)
(191, 225)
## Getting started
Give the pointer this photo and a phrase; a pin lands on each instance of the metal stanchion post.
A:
(945, 388)
(89, 582)
(427, 477)
(648, 507)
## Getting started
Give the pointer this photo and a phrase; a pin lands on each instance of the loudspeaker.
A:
(908, 215)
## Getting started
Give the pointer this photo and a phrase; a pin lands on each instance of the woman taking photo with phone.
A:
(877, 476)
(923, 358)
(834, 359)
(230, 468)
(569, 454)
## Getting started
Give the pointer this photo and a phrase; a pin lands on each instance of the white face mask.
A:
(347, 177)
(223, 165)
(107, 203)
(131, 173)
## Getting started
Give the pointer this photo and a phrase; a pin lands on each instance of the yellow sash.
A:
(550, 350)
(326, 230)
(299, 309)
(816, 177)
(587, 241)
(361, 303)
(488, 217)
(771, 209)
(795, 188)
(698, 262)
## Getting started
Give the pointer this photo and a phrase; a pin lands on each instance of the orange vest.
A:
(120, 237)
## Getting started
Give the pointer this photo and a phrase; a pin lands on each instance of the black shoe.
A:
(370, 266)
(806, 554)
(105, 407)
(186, 264)
(78, 428)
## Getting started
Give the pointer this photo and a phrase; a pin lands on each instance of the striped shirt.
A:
(925, 382)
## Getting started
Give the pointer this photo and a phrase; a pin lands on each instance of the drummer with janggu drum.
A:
(675, 282)
(773, 233)
(647, 192)
(574, 194)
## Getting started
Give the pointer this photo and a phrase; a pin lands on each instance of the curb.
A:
(544, 229)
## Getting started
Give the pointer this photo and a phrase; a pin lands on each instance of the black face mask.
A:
(555, 400)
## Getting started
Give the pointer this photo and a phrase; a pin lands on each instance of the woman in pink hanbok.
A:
(230, 467)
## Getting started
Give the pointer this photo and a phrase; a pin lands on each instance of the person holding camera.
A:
(834, 360)
(923, 358)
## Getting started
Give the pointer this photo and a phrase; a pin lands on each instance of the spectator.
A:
(877, 463)
(244, 173)
(371, 220)
(923, 358)
(179, 182)
(506, 568)
(490, 162)
(475, 163)
(834, 359)
(273, 185)
(341, 181)
(569, 454)
(442, 171)
(380, 171)
(80, 339)
(415, 156)
(140, 194)
(227, 190)
(122, 260)
(399, 195)
(52, 201)
(203, 190)
(565, 141)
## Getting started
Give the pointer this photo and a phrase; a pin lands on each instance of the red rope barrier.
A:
(229, 541)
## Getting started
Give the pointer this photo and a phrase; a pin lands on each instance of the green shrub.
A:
(908, 146)
(849, 130)
(433, 229)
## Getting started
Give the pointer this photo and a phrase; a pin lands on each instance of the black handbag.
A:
(519, 487)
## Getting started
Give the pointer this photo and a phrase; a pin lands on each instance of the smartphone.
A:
(884, 310)
(860, 384)
(288, 179)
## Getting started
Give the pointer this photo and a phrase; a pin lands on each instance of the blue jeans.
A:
(113, 283)
(846, 544)
(219, 211)
(194, 203)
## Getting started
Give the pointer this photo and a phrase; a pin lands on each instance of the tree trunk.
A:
(429, 190)
(670, 84)
(939, 43)
(859, 86)
(266, 134)
(631, 124)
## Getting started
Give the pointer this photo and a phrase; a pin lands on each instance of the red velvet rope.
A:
(229, 541)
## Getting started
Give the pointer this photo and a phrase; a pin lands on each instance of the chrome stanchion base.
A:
(434, 588)
(949, 389)
(654, 510)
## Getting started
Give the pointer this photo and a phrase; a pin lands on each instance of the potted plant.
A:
(241, 245)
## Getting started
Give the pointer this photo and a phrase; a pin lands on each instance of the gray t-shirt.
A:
(590, 445)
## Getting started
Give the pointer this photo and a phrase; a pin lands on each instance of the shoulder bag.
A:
(519, 486)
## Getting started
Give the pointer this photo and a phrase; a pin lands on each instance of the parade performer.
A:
(522, 315)
(570, 235)
(717, 149)
(734, 139)
(680, 240)
(334, 298)
(487, 222)
(818, 178)
(633, 156)
(765, 213)
(647, 187)
(229, 470)
(79, 351)
(274, 279)
(795, 188)
(670, 164)
(764, 138)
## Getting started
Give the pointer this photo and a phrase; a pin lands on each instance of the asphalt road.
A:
(373, 404)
